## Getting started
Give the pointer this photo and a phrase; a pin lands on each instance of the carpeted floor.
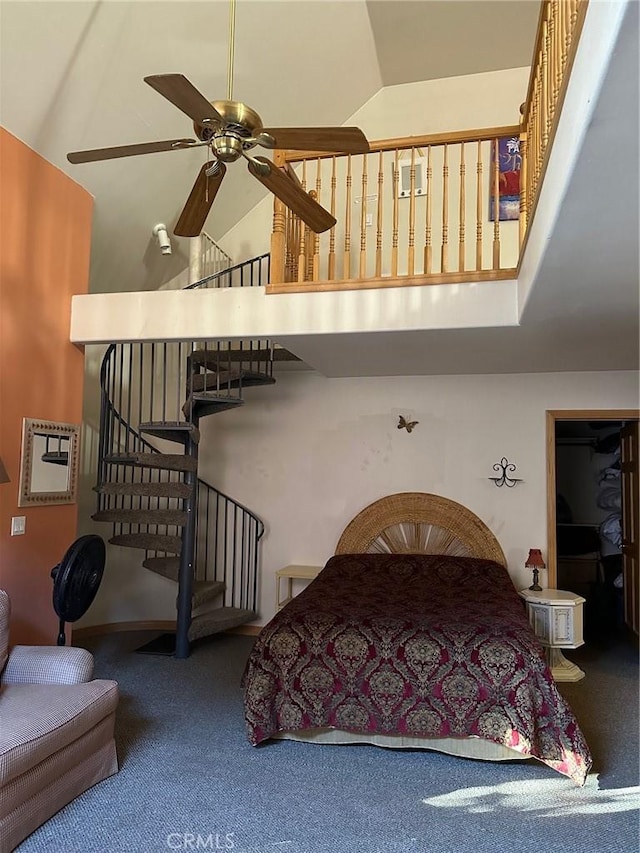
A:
(189, 780)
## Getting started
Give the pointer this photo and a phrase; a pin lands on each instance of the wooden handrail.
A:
(405, 142)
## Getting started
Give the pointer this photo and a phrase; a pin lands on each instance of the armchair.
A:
(56, 731)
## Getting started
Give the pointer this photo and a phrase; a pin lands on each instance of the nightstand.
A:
(307, 573)
(556, 617)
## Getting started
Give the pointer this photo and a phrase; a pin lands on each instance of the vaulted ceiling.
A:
(72, 78)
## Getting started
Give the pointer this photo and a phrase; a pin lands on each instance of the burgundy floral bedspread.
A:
(424, 646)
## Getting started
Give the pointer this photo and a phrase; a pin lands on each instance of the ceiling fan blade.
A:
(129, 150)
(196, 210)
(291, 192)
(184, 95)
(346, 140)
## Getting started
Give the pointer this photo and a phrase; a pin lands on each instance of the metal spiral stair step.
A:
(179, 431)
(210, 357)
(164, 461)
(205, 592)
(215, 382)
(220, 619)
(168, 567)
(218, 380)
(154, 490)
(149, 542)
(207, 403)
(142, 516)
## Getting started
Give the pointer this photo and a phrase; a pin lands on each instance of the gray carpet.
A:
(189, 779)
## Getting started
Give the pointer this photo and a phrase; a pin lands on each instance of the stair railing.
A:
(149, 383)
(227, 533)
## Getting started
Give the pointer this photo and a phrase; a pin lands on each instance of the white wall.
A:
(308, 453)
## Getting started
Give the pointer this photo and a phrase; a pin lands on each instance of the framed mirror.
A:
(49, 463)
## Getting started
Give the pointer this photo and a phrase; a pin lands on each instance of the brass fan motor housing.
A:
(239, 119)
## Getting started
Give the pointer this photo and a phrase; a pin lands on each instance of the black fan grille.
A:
(77, 577)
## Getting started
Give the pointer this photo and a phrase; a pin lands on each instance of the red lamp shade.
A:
(534, 560)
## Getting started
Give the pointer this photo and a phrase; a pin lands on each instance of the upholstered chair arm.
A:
(48, 665)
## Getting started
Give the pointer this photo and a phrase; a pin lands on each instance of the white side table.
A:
(290, 573)
(557, 619)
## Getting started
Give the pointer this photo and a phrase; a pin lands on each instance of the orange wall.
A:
(45, 234)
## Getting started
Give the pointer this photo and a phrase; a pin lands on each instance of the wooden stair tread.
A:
(165, 461)
(142, 516)
(149, 542)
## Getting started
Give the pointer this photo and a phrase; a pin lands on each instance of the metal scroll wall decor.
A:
(505, 469)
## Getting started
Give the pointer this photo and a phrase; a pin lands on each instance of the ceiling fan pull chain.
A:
(232, 33)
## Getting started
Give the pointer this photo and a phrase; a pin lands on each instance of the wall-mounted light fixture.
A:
(162, 236)
(504, 478)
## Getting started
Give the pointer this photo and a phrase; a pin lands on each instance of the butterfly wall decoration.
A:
(403, 423)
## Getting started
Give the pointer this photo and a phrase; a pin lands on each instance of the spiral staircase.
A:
(153, 399)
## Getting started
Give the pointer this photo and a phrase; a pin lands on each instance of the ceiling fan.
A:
(229, 129)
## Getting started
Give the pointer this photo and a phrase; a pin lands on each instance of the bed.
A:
(412, 635)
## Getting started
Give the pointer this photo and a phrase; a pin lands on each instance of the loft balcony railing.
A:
(421, 209)
(559, 28)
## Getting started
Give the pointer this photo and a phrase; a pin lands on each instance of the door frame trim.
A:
(552, 416)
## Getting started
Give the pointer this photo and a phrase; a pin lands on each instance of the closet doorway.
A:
(593, 513)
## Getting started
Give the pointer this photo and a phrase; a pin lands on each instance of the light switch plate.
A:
(18, 525)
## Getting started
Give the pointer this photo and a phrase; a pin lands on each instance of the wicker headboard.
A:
(419, 523)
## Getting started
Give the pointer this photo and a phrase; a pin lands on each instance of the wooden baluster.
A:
(553, 57)
(277, 274)
(570, 16)
(346, 270)
(304, 230)
(546, 120)
(444, 249)
(463, 211)
(312, 248)
(573, 16)
(316, 240)
(496, 205)
(288, 260)
(331, 269)
(561, 29)
(524, 197)
(479, 207)
(537, 138)
(411, 251)
(427, 227)
(363, 221)
(394, 233)
(379, 216)
(302, 266)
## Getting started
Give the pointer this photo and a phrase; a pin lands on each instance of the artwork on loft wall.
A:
(509, 163)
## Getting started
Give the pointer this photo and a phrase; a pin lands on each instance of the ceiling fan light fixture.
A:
(227, 147)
